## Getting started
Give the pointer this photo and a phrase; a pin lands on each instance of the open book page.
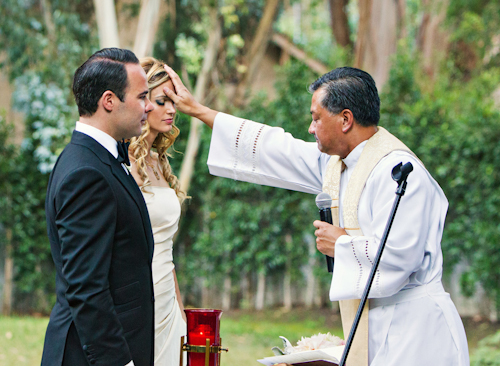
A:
(332, 355)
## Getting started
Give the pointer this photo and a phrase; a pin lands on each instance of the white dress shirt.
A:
(108, 142)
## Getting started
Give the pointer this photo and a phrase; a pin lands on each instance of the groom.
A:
(98, 225)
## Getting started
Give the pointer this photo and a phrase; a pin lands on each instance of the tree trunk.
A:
(364, 8)
(172, 19)
(271, 292)
(149, 18)
(245, 292)
(205, 292)
(310, 285)
(106, 23)
(309, 272)
(401, 15)
(318, 301)
(432, 40)
(173, 13)
(379, 28)
(199, 94)
(9, 275)
(261, 291)
(494, 50)
(297, 20)
(226, 294)
(287, 288)
(287, 279)
(257, 50)
(339, 23)
(49, 23)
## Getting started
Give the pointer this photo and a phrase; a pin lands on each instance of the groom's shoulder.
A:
(82, 151)
(77, 157)
(82, 161)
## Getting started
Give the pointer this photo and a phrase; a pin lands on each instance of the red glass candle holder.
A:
(203, 337)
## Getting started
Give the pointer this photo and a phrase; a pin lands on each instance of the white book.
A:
(326, 356)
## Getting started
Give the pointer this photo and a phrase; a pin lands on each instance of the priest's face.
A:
(327, 127)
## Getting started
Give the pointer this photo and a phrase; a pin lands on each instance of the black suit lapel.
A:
(125, 179)
(131, 186)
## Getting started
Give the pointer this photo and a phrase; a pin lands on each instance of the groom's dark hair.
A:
(104, 70)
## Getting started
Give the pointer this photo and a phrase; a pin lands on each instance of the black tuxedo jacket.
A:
(102, 245)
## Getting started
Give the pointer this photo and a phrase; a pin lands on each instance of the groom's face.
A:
(133, 111)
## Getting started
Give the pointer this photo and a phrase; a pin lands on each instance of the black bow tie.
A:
(123, 152)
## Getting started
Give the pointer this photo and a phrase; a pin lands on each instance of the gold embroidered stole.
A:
(377, 147)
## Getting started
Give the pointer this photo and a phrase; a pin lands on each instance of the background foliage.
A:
(41, 54)
(455, 131)
(488, 352)
(232, 229)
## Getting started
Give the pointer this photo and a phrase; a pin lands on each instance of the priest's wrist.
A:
(205, 114)
(326, 249)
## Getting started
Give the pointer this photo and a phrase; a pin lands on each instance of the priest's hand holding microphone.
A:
(326, 233)
(326, 236)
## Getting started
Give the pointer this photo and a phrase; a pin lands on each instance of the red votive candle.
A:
(203, 324)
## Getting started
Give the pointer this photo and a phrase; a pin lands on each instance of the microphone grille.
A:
(323, 200)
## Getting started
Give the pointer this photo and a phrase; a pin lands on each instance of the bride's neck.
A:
(149, 141)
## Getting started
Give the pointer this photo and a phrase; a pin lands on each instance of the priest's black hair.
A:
(353, 89)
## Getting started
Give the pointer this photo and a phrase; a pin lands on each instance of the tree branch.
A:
(288, 46)
(199, 94)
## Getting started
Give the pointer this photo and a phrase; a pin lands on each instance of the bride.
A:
(163, 197)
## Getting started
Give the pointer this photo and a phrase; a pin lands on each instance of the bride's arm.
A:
(179, 298)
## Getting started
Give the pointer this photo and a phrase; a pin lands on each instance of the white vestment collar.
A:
(350, 162)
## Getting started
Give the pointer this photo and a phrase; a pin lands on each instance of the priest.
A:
(409, 318)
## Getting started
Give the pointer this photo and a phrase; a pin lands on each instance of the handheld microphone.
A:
(324, 203)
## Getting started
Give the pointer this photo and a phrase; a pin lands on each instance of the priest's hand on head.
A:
(184, 100)
(326, 236)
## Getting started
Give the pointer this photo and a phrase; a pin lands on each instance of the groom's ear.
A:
(108, 101)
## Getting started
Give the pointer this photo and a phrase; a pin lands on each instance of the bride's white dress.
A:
(164, 212)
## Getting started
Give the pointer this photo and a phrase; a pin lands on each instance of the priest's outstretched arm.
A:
(253, 152)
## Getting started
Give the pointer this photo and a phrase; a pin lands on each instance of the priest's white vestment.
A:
(412, 321)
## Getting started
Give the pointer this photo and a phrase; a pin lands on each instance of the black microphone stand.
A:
(399, 174)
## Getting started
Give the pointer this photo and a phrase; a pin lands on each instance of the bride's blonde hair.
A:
(156, 75)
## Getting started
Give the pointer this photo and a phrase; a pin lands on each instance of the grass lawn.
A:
(248, 335)
(251, 335)
(21, 340)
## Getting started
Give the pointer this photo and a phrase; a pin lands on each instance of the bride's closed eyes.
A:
(162, 101)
